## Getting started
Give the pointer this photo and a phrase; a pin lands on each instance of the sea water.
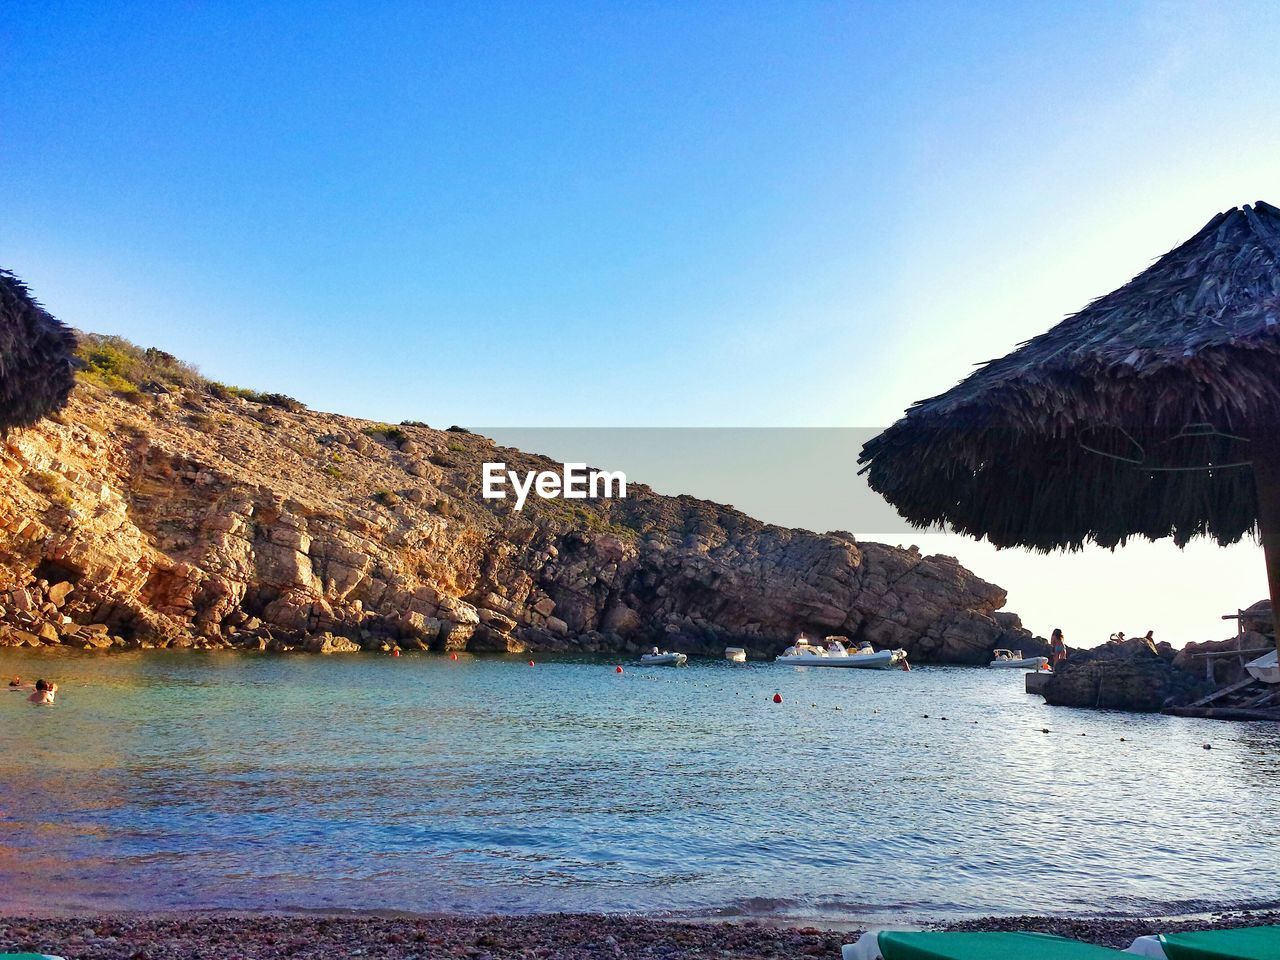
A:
(170, 780)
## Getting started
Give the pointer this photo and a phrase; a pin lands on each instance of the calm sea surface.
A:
(173, 780)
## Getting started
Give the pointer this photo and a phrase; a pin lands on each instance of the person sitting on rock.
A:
(44, 693)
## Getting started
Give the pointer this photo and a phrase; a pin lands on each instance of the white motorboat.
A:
(735, 654)
(1265, 668)
(1014, 660)
(663, 658)
(833, 653)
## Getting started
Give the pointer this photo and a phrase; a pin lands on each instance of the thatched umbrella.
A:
(1139, 416)
(36, 350)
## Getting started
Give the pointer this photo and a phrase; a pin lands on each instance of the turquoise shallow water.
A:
(172, 780)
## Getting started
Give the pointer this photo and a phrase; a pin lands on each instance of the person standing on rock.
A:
(1057, 647)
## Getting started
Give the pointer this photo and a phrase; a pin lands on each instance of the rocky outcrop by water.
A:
(169, 511)
(1130, 675)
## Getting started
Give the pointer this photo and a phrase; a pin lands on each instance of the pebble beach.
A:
(217, 936)
(559, 936)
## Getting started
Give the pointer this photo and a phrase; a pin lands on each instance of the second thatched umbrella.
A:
(36, 350)
(1154, 412)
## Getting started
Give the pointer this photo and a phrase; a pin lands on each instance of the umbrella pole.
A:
(1266, 478)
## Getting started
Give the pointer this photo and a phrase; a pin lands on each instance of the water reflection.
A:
(172, 780)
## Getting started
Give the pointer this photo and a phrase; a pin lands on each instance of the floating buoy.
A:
(617, 669)
(453, 656)
(777, 698)
(1044, 729)
(926, 716)
(1122, 739)
(531, 663)
(1208, 746)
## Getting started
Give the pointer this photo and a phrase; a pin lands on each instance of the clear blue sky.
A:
(597, 213)
(552, 214)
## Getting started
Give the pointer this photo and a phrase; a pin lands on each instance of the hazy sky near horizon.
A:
(648, 214)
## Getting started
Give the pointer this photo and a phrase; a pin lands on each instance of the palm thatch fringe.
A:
(36, 374)
(1129, 418)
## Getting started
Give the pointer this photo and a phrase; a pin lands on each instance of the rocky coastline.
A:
(1137, 674)
(161, 509)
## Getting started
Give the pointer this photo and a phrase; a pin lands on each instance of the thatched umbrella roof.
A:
(1133, 417)
(36, 350)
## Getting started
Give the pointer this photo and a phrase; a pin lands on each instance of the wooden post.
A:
(1265, 453)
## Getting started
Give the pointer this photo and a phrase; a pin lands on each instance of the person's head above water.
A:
(42, 685)
(16, 681)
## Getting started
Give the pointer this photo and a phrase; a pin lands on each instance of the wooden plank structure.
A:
(1243, 655)
(36, 355)
(1140, 416)
(1246, 699)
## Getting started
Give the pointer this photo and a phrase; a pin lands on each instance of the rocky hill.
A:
(159, 508)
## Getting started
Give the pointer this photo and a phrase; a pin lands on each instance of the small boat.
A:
(1014, 660)
(1264, 668)
(663, 658)
(802, 653)
(735, 654)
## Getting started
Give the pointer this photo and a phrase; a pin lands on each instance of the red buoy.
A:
(617, 669)
(531, 663)
(395, 651)
(777, 698)
(453, 656)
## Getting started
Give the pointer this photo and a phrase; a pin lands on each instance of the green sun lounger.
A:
(1244, 943)
(896, 945)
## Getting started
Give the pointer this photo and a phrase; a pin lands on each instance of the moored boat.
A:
(663, 658)
(1014, 660)
(834, 653)
(735, 654)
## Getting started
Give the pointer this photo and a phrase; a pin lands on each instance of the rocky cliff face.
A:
(175, 512)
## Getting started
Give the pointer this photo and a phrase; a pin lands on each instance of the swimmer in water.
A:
(44, 693)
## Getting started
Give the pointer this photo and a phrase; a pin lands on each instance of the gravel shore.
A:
(555, 936)
(213, 936)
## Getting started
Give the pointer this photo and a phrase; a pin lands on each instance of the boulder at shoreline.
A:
(1130, 675)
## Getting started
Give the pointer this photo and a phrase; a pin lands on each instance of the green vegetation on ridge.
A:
(129, 370)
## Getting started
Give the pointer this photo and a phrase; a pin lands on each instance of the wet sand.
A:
(216, 936)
